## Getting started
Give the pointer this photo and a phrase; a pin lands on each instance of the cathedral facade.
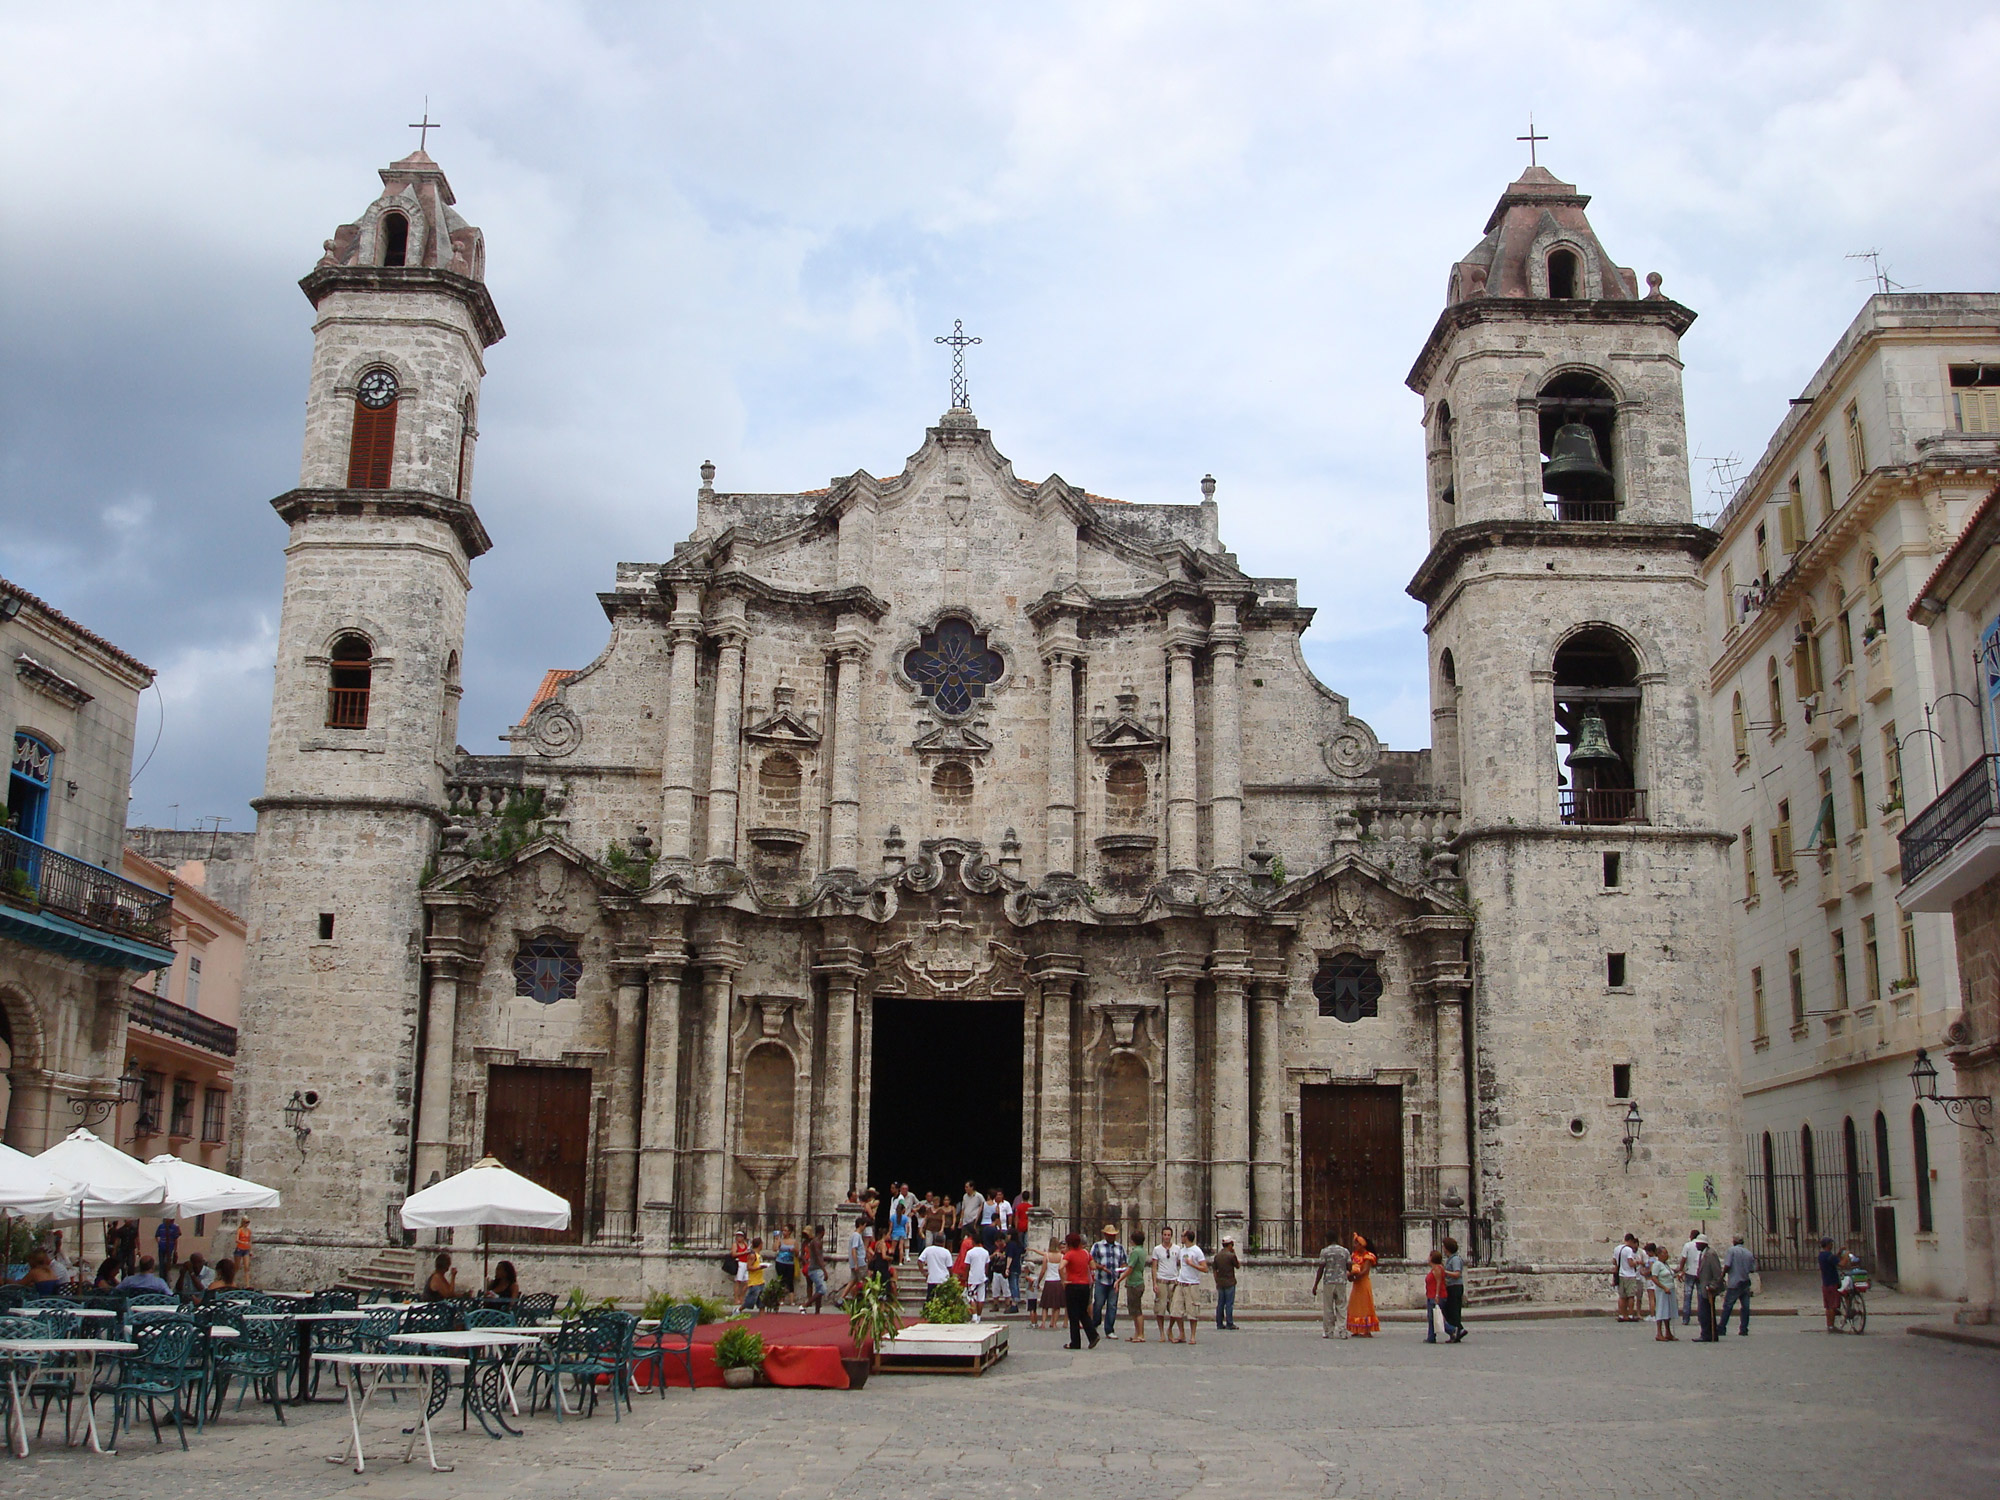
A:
(954, 825)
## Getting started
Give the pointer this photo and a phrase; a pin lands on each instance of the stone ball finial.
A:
(707, 475)
(1653, 279)
(1208, 486)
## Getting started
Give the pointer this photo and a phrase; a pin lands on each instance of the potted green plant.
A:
(872, 1321)
(579, 1303)
(739, 1354)
(947, 1304)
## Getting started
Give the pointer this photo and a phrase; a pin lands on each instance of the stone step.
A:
(392, 1269)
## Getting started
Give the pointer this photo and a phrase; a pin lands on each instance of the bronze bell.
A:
(1593, 740)
(1574, 473)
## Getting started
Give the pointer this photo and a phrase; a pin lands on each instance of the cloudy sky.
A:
(1195, 238)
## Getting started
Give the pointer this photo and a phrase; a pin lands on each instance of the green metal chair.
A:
(673, 1339)
(261, 1355)
(166, 1365)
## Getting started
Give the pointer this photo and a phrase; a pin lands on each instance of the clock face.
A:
(376, 389)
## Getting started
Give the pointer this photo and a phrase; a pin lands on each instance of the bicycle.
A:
(1852, 1314)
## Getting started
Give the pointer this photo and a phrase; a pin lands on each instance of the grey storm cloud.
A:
(1195, 237)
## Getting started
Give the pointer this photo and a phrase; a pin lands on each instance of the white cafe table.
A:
(82, 1357)
(472, 1340)
(360, 1391)
(31, 1311)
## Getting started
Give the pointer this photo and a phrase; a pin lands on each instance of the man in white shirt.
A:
(1688, 1264)
(1165, 1265)
(857, 1253)
(970, 1208)
(937, 1264)
(1626, 1262)
(1192, 1264)
(1005, 1210)
(975, 1278)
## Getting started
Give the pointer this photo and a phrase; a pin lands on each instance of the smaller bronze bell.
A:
(1593, 740)
(1575, 474)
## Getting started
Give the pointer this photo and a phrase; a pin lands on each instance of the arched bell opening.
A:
(1578, 428)
(1597, 702)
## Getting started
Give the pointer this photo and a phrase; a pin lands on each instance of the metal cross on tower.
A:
(1531, 138)
(426, 125)
(958, 340)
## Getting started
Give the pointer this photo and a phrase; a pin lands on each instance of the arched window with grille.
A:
(371, 448)
(1883, 1184)
(1850, 1152)
(350, 673)
(28, 786)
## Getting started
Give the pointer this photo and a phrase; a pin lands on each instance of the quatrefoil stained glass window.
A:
(547, 970)
(1347, 987)
(953, 665)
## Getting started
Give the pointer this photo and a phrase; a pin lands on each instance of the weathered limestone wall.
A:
(1975, 1070)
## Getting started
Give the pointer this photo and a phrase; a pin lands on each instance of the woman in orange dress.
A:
(1361, 1320)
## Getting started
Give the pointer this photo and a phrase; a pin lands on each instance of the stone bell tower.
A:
(363, 718)
(1565, 624)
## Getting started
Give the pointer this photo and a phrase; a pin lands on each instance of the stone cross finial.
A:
(1531, 138)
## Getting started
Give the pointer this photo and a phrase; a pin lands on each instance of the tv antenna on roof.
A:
(1881, 277)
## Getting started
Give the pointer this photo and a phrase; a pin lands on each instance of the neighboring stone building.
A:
(1951, 861)
(217, 861)
(73, 933)
(180, 1041)
(953, 825)
(1820, 686)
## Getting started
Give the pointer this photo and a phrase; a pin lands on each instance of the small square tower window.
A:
(326, 927)
(1621, 1080)
(1614, 872)
(1614, 970)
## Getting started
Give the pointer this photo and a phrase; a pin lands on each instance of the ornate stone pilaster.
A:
(1178, 972)
(1058, 1186)
(719, 959)
(659, 1111)
(31, 1099)
(1446, 981)
(621, 1127)
(1229, 1095)
(833, 1147)
(1182, 854)
(850, 656)
(1060, 853)
(1225, 799)
(677, 764)
(433, 1153)
(724, 758)
(1267, 1096)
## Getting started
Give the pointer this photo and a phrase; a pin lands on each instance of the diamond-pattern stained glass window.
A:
(953, 666)
(1347, 987)
(547, 970)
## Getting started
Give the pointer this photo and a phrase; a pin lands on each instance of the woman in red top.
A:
(1076, 1291)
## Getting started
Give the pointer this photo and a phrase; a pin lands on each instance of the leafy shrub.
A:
(947, 1304)
(739, 1349)
(579, 1303)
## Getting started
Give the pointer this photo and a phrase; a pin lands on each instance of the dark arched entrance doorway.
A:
(946, 1095)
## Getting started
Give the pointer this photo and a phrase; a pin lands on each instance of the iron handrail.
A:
(1958, 810)
(156, 1013)
(32, 873)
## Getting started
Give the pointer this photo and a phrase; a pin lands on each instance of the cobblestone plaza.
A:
(1557, 1407)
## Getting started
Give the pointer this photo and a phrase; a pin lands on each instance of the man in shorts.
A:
(813, 1260)
(1626, 1262)
(1330, 1286)
(1165, 1265)
(976, 1260)
(857, 1254)
(1183, 1310)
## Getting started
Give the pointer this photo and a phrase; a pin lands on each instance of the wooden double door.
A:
(1351, 1164)
(538, 1124)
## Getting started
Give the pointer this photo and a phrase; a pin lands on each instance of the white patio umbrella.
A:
(28, 1188)
(193, 1190)
(485, 1193)
(114, 1185)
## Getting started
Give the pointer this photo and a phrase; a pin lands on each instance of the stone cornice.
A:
(323, 281)
(1663, 311)
(1460, 542)
(453, 512)
(735, 583)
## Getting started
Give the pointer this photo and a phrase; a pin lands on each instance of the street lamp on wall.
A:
(303, 1103)
(1634, 1123)
(1971, 1111)
(95, 1111)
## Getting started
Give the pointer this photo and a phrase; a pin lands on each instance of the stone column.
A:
(434, 1103)
(30, 1105)
(621, 1127)
(844, 840)
(1179, 972)
(1454, 1143)
(1225, 799)
(1229, 1097)
(1181, 849)
(833, 1167)
(659, 1118)
(677, 765)
(725, 748)
(1267, 1093)
(1058, 1187)
(719, 960)
(1060, 854)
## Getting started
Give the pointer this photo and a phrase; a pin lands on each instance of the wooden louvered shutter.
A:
(372, 447)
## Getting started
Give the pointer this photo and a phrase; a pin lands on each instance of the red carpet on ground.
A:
(798, 1350)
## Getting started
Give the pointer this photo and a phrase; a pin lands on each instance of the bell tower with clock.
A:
(364, 709)
(1568, 683)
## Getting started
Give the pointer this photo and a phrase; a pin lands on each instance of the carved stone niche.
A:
(777, 855)
(1126, 861)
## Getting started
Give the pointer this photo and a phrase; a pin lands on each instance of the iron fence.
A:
(1958, 809)
(1800, 1189)
(32, 873)
(156, 1014)
(1603, 804)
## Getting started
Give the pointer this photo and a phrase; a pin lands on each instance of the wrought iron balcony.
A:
(1602, 804)
(39, 878)
(157, 1014)
(1959, 811)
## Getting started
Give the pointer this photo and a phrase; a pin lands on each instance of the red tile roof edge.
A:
(89, 635)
